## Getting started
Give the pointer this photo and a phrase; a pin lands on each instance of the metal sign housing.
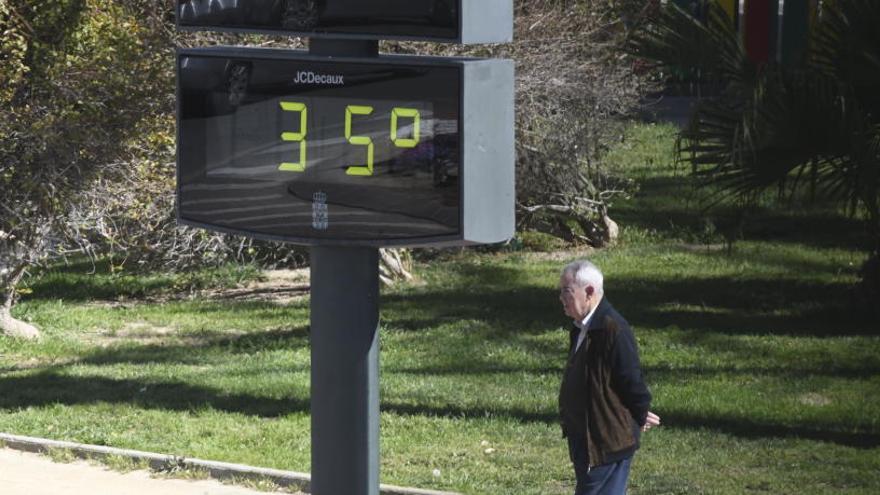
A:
(449, 21)
(387, 151)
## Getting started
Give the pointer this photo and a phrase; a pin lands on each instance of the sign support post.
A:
(345, 370)
(281, 145)
(344, 339)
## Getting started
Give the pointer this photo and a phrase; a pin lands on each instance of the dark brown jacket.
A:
(615, 399)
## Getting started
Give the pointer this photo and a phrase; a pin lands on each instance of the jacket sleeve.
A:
(627, 377)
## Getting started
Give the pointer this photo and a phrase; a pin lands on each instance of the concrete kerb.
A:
(217, 470)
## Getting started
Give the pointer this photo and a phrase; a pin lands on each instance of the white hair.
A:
(585, 274)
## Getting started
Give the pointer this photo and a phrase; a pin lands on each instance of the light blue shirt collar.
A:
(584, 325)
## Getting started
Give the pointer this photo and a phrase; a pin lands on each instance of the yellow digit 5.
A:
(412, 113)
(359, 140)
(297, 137)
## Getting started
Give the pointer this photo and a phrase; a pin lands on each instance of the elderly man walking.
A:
(603, 400)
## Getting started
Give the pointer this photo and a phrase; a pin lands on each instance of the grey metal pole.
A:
(345, 370)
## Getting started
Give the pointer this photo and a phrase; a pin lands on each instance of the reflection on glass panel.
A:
(265, 144)
(420, 18)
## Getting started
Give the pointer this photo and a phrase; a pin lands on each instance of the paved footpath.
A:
(23, 473)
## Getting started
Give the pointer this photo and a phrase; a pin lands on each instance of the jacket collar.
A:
(598, 319)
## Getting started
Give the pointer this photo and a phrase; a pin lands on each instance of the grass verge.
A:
(764, 374)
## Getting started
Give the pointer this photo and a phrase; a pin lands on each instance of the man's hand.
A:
(651, 421)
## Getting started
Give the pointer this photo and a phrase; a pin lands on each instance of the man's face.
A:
(577, 301)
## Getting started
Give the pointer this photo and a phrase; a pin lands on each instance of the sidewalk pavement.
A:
(24, 473)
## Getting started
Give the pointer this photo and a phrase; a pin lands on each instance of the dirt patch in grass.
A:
(561, 255)
(276, 286)
(134, 332)
(814, 399)
(703, 248)
(33, 363)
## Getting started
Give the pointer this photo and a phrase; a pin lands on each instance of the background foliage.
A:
(808, 129)
(78, 78)
(88, 146)
(575, 87)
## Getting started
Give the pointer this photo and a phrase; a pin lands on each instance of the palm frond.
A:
(814, 126)
(676, 39)
(845, 44)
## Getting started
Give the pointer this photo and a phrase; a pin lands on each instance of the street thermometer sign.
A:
(284, 145)
(346, 151)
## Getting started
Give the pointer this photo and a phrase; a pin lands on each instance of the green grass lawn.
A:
(766, 377)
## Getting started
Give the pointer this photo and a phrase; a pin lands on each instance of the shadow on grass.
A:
(743, 428)
(671, 205)
(81, 280)
(751, 307)
(84, 287)
(200, 348)
(720, 304)
(655, 373)
(684, 374)
(50, 388)
(473, 369)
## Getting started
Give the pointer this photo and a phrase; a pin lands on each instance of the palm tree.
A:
(813, 124)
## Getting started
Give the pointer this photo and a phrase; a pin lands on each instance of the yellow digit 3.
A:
(297, 137)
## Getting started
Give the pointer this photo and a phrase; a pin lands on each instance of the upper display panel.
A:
(462, 21)
(288, 146)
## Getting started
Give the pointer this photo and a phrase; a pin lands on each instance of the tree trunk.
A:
(610, 229)
(11, 327)
(395, 265)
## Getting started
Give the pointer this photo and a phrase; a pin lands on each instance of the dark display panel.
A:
(299, 149)
(386, 18)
